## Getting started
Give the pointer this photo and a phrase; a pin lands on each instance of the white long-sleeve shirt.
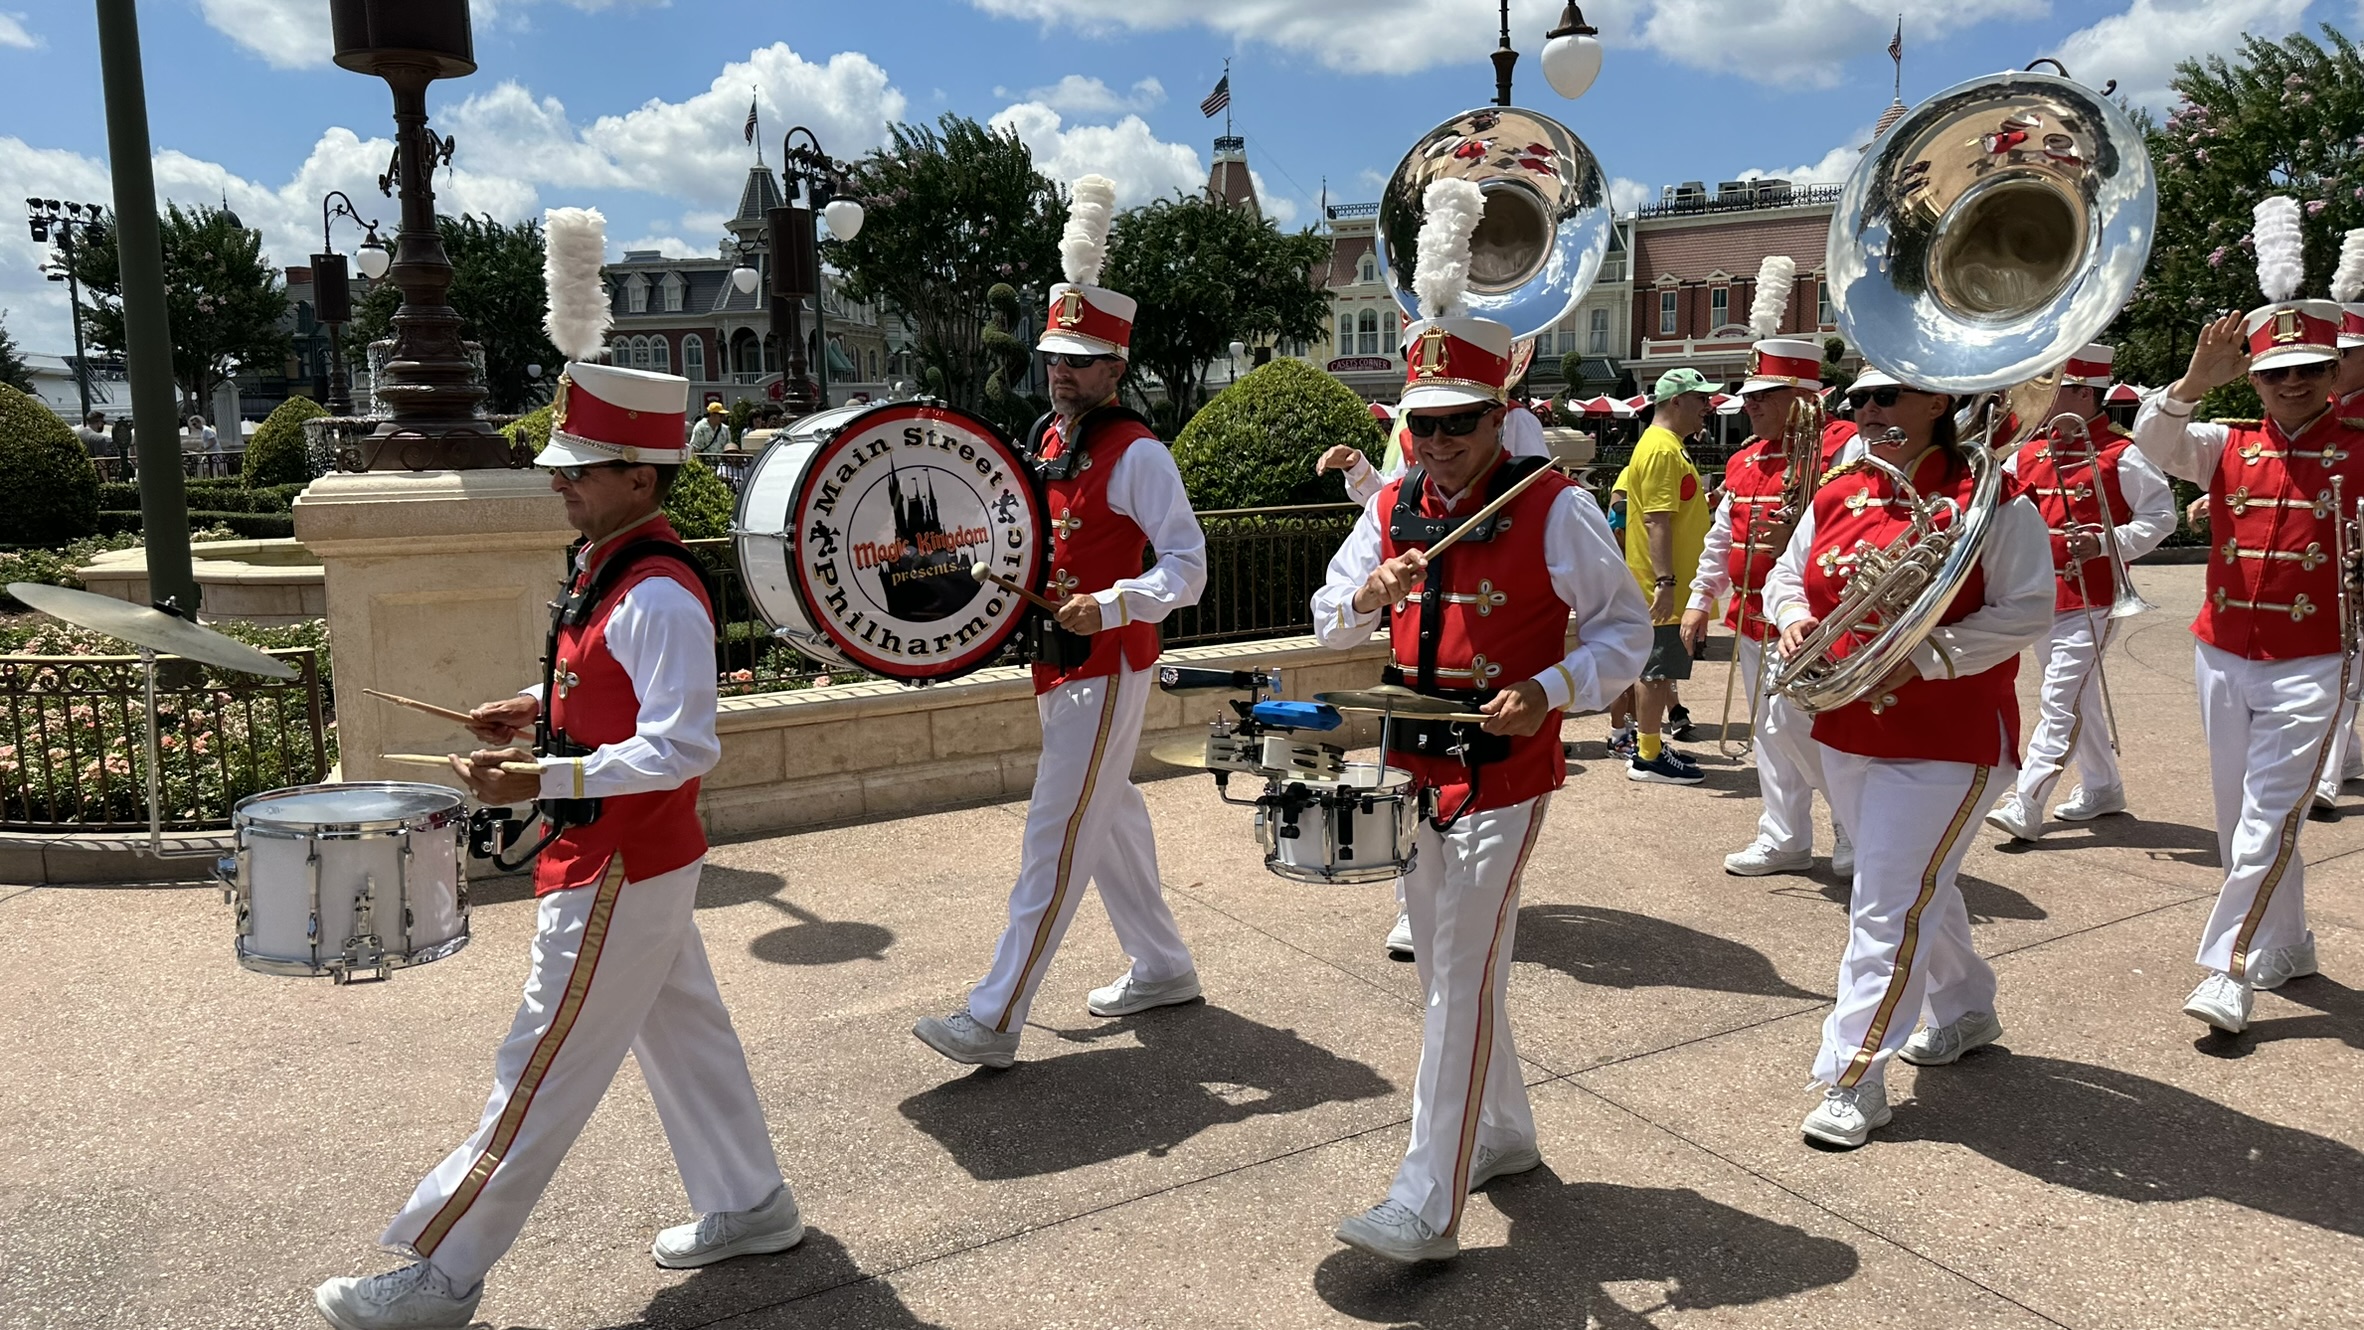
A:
(2166, 434)
(2017, 610)
(1147, 487)
(2150, 504)
(664, 640)
(1588, 573)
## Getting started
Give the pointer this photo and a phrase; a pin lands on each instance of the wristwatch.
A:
(1664, 581)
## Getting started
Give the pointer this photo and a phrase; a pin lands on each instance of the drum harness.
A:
(1474, 748)
(1046, 641)
(572, 610)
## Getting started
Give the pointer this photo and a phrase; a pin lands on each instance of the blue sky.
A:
(636, 106)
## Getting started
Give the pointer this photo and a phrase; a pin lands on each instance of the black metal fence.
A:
(73, 740)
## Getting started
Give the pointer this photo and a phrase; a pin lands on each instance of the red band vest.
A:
(2273, 593)
(593, 703)
(1973, 719)
(1501, 622)
(1752, 482)
(1093, 546)
(2068, 500)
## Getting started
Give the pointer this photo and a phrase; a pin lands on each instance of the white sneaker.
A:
(1128, 995)
(2221, 1001)
(415, 1297)
(1388, 1229)
(2011, 818)
(1937, 1045)
(1842, 856)
(1762, 860)
(1847, 1117)
(963, 1038)
(772, 1226)
(1399, 938)
(1487, 1163)
(2084, 805)
(2274, 968)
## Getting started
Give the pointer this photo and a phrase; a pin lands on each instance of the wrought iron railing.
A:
(73, 740)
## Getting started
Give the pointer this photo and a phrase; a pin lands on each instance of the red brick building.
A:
(1695, 260)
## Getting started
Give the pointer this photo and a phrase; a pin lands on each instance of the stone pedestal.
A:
(439, 585)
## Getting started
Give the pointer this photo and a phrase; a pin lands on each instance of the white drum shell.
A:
(1362, 829)
(763, 551)
(302, 880)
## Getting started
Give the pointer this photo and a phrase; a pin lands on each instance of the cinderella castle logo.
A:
(923, 571)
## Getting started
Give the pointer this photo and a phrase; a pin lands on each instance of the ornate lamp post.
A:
(332, 291)
(1571, 56)
(49, 218)
(796, 260)
(429, 384)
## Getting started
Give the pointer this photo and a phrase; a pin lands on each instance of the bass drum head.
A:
(860, 544)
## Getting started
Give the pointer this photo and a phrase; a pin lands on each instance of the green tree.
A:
(2281, 117)
(499, 291)
(950, 212)
(221, 291)
(279, 454)
(1009, 352)
(1206, 276)
(1255, 444)
(13, 370)
(52, 485)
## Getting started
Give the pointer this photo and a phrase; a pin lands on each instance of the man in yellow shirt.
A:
(1667, 517)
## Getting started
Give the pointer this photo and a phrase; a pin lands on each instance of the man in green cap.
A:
(1664, 492)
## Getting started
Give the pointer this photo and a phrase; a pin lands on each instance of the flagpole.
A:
(1227, 101)
(1896, 49)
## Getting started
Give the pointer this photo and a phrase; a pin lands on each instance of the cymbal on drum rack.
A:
(1398, 700)
(1190, 753)
(169, 634)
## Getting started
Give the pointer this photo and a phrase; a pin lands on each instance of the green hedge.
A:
(278, 453)
(208, 496)
(249, 526)
(52, 486)
(1255, 444)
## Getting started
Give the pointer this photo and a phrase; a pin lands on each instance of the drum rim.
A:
(430, 821)
(293, 969)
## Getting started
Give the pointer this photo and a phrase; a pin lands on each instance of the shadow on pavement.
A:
(1194, 1067)
(1569, 1240)
(1620, 949)
(2172, 842)
(809, 940)
(1986, 901)
(2113, 1134)
(2341, 1018)
(814, 1284)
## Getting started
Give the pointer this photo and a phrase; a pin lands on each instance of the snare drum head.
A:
(359, 804)
(866, 538)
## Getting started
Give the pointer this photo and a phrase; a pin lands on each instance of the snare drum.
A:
(342, 880)
(1358, 829)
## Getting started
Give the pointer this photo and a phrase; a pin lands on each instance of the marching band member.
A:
(627, 719)
(2270, 663)
(1742, 546)
(1114, 493)
(2070, 728)
(1485, 623)
(2347, 392)
(1912, 765)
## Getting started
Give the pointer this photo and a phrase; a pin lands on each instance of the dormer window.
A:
(675, 290)
(1369, 270)
(636, 294)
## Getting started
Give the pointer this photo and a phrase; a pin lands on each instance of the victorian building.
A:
(1695, 259)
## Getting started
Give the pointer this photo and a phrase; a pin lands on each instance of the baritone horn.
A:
(1988, 235)
(1545, 233)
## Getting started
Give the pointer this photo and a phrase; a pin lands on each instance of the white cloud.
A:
(1143, 166)
(672, 247)
(1834, 167)
(1626, 195)
(2141, 47)
(294, 34)
(1082, 96)
(14, 33)
(1808, 43)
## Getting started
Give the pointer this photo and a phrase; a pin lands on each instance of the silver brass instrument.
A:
(2347, 546)
(2125, 601)
(1801, 466)
(1546, 228)
(1987, 236)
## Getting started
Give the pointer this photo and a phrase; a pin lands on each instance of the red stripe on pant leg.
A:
(1481, 1056)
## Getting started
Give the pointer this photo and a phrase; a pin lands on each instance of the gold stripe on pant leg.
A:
(1901, 974)
(1083, 801)
(2288, 843)
(1481, 1057)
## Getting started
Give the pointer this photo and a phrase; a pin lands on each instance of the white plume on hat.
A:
(2348, 282)
(2281, 248)
(575, 241)
(1084, 246)
(1775, 277)
(1453, 209)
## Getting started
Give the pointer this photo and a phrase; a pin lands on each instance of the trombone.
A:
(2125, 602)
(1801, 448)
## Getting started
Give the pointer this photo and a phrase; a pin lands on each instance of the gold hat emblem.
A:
(1070, 312)
(1429, 354)
(558, 402)
(2287, 328)
(1756, 360)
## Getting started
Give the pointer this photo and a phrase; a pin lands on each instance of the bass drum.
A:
(857, 545)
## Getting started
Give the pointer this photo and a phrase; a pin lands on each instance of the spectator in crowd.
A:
(1662, 549)
(712, 434)
(93, 433)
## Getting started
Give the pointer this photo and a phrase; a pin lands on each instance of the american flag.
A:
(1217, 100)
(751, 120)
(1896, 44)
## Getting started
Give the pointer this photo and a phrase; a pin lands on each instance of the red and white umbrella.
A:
(1605, 406)
(2124, 394)
(1637, 403)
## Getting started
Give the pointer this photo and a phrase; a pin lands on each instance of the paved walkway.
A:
(192, 1145)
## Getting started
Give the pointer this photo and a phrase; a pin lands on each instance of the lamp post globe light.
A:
(1571, 56)
(796, 263)
(52, 219)
(332, 291)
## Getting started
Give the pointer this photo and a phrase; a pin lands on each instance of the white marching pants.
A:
(1789, 762)
(2347, 759)
(2268, 725)
(2072, 726)
(1085, 823)
(1908, 948)
(1463, 892)
(655, 995)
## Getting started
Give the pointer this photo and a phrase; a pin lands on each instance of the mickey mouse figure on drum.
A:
(1111, 493)
(1484, 623)
(625, 724)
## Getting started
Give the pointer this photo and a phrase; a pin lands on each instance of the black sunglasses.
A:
(1883, 396)
(1455, 426)
(1073, 361)
(573, 475)
(2313, 369)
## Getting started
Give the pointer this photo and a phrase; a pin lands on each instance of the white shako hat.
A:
(1875, 377)
(1084, 318)
(2090, 368)
(600, 413)
(2346, 285)
(1778, 362)
(1451, 357)
(2284, 330)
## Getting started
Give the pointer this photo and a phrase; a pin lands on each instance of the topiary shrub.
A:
(700, 504)
(278, 453)
(47, 474)
(531, 429)
(1255, 444)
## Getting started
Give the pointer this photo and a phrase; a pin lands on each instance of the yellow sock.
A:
(1651, 746)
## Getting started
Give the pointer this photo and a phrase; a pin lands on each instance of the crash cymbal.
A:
(1190, 753)
(152, 628)
(1400, 701)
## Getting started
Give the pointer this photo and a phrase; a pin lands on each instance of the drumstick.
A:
(1490, 509)
(985, 574)
(435, 760)
(429, 707)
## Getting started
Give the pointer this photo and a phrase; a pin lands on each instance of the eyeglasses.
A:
(1074, 361)
(1454, 426)
(2313, 369)
(1881, 396)
(573, 475)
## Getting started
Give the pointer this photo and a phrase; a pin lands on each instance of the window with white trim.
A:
(693, 358)
(1367, 330)
(660, 355)
(636, 294)
(1666, 313)
(1600, 332)
(1824, 314)
(1719, 307)
(675, 289)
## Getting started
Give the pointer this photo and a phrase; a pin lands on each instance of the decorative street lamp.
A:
(796, 261)
(429, 384)
(332, 291)
(65, 221)
(1571, 56)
